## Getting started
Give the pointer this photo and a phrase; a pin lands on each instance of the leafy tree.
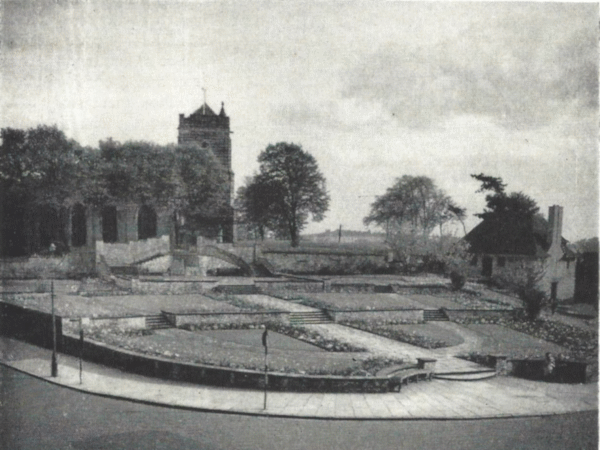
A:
(42, 173)
(415, 205)
(525, 279)
(201, 186)
(409, 211)
(256, 206)
(587, 245)
(39, 178)
(499, 204)
(489, 183)
(39, 165)
(185, 178)
(288, 189)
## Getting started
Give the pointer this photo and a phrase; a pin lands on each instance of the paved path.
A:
(437, 399)
(380, 346)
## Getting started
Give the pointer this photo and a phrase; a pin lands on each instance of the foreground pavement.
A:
(437, 399)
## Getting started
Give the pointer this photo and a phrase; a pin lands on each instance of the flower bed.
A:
(359, 302)
(164, 368)
(580, 344)
(425, 335)
(189, 347)
(296, 332)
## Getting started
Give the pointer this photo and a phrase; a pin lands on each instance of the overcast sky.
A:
(374, 90)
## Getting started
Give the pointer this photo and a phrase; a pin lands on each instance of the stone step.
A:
(430, 315)
(157, 322)
(238, 289)
(309, 318)
(471, 376)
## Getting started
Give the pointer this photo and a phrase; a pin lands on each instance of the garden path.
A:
(378, 346)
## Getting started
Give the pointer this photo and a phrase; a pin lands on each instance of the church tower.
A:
(211, 131)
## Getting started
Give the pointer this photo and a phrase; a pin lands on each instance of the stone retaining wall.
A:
(460, 315)
(29, 325)
(149, 286)
(403, 316)
(227, 318)
(120, 323)
(305, 261)
(563, 372)
(219, 376)
(279, 286)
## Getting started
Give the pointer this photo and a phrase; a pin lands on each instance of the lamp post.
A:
(53, 363)
(265, 344)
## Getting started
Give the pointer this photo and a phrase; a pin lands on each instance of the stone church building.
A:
(131, 222)
(129, 233)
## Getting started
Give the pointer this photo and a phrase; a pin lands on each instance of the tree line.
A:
(42, 170)
(41, 167)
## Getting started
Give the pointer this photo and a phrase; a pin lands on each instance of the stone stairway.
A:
(157, 322)
(309, 318)
(432, 315)
(237, 289)
(474, 375)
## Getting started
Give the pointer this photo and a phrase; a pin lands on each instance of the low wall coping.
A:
(183, 280)
(73, 318)
(374, 379)
(378, 310)
(224, 313)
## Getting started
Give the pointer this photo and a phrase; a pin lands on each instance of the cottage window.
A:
(474, 260)
(501, 261)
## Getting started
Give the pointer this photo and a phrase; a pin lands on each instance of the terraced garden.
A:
(308, 349)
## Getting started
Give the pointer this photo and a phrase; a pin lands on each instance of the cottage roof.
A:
(508, 236)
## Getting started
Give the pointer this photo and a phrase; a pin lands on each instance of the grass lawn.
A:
(426, 335)
(496, 339)
(70, 305)
(153, 304)
(121, 305)
(461, 300)
(253, 338)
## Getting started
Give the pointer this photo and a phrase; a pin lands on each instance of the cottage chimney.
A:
(555, 219)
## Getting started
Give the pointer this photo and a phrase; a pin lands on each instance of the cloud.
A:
(347, 114)
(521, 73)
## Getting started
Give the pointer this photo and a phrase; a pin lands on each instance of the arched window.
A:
(78, 226)
(109, 224)
(50, 227)
(146, 222)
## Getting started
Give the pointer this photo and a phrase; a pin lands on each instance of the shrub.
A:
(525, 280)
(534, 301)
(458, 280)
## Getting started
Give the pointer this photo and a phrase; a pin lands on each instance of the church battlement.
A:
(209, 131)
(205, 117)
